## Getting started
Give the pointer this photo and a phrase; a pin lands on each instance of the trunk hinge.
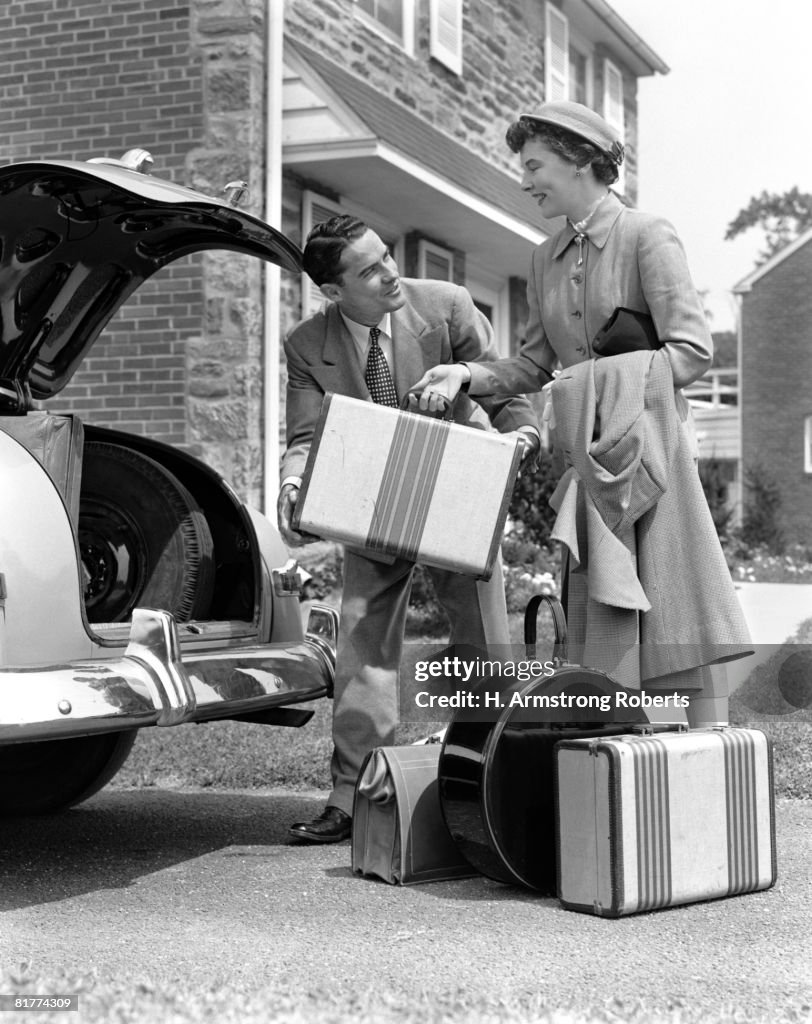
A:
(15, 398)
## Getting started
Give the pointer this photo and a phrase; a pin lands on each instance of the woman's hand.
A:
(438, 383)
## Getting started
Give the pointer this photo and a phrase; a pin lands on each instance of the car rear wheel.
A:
(143, 539)
(52, 775)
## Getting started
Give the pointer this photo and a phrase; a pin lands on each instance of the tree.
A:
(781, 217)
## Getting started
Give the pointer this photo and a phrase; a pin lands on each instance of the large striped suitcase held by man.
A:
(401, 485)
(645, 822)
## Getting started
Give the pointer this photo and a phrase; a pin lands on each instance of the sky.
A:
(731, 119)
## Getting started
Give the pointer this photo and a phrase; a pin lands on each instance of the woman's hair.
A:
(325, 246)
(566, 144)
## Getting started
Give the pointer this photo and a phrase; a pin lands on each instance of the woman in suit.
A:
(628, 457)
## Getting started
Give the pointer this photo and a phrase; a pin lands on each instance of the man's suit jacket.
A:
(438, 323)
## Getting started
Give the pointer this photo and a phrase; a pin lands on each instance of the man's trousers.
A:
(373, 618)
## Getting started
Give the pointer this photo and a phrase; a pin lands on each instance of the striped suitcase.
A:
(645, 822)
(400, 485)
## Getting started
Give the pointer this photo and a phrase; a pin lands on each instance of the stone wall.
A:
(503, 68)
(224, 364)
(502, 73)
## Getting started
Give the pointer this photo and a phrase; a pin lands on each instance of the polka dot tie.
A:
(377, 375)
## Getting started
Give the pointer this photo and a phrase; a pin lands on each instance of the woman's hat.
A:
(582, 121)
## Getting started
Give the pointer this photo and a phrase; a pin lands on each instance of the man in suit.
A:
(378, 335)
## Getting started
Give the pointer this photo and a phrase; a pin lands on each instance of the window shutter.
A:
(613, 109)
(434, 263)
(613, 97)
(315, 209)
(446, 33)
(556, 55)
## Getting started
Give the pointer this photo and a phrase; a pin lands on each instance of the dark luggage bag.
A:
(398, 833)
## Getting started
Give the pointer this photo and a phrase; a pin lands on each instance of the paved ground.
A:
(774, 611)
(184, 891)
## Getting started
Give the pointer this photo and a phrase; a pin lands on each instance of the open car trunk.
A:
(154, 528)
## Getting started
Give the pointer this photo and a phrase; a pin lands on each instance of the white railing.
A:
(716, 389)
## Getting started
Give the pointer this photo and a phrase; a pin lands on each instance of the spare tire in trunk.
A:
(143, 539)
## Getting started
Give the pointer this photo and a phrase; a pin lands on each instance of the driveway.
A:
(185, 891)
(773, 611)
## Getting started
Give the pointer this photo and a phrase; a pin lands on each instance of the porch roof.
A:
(378, 153)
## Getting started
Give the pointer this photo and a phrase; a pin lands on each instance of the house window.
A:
(579, 90)
(556, 55)
(446, 33)
(315, 209)
(434, 262)
(393, 19)
(490, 295)
(613, 108)
(808, 444)
(567, 60)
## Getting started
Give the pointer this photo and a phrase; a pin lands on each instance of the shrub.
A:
(715, 477)
(324, 562)
(529, 568)
(529, 504)
(425, 616)
(761, 526)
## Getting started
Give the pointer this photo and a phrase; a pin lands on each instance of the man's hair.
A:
(568, 145)
(325, 246)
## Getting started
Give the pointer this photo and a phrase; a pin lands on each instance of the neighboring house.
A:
(394, 110)
(715, 401)
(776, 380)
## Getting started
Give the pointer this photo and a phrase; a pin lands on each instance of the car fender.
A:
(41, 596)
(287, 612)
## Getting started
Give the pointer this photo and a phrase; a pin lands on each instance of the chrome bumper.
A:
(151, 683)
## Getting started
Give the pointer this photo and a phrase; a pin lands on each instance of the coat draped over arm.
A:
(650, 598)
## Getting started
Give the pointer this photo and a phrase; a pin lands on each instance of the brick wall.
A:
(95, 79)
(776, 369)
(181, 361)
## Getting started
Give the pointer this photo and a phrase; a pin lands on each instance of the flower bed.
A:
(758, 565)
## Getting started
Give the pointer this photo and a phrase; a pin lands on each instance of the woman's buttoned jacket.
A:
(629, 259)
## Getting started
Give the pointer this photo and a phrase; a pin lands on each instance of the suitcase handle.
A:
(649, 729)
(559, 624)
(448, 406)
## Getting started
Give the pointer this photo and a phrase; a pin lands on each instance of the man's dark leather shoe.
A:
(331, 826)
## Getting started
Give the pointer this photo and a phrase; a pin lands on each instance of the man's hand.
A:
(285, 504)
(439, 382)
(531, 447)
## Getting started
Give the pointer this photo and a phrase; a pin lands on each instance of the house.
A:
(394, 111)
(714, 401)
(775, 343)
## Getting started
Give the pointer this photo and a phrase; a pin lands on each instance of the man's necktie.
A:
(377, 375)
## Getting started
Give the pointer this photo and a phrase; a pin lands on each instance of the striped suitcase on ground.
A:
(645, 822)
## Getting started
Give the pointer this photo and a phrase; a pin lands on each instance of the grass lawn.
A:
(236, 755)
